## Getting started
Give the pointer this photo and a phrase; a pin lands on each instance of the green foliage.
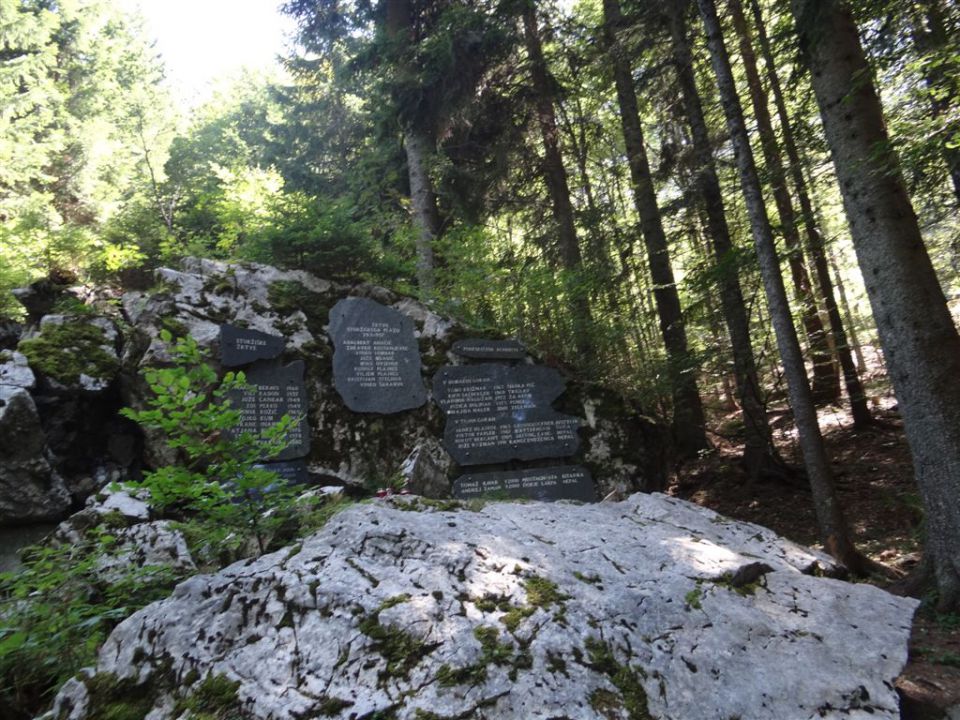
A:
(60, 606)
(219, 483)
(313, 234)
(79, 86)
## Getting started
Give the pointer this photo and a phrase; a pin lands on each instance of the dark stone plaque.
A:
(567, 482)
(239, 346)
(499, 412)
(490, 349)
(376, 359)
(293, 472)
(275, 390)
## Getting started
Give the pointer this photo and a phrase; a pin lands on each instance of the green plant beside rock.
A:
(218, 481)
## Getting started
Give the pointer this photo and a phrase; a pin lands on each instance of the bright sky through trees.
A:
(203, 40)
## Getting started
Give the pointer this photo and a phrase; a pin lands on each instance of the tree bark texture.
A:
(833, 526)
(688, 418)
(419, 147)
(555, 177)
(858, 401)
(919, 339)
(759, 452)
(826, 383)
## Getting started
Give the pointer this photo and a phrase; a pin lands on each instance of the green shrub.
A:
(60, 606)
(219, 482)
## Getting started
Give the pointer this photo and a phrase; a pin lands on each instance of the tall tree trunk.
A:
(833, 525)
(688, 419)
(930, 36)
(555, 177)
(760, 455)
(419, 146)
(919, 339)
(849, 319)
(858, 402)
(826, 383)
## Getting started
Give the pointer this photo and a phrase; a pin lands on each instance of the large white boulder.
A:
(652, 607)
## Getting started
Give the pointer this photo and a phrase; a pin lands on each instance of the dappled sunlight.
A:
(703, 556)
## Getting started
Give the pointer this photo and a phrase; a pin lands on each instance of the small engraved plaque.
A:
(240, 346)
(567, 482)
(497, 413)
(376, 359)
(293, 472)
(275, 390)
(490, 349)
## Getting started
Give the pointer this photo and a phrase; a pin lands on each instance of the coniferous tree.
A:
(858, 402)
(826, 385)
(920, 341)
(833, 526)
(688, 417)
(555, 177)
(760, 456)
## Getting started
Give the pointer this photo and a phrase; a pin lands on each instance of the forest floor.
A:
(875, 482)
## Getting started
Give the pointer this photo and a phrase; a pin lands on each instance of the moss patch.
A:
(633, 698)
(113, 698)
(606, 702)
(332, 706)
(64, 352)
(543, 593)
(288, 296)
(493, 652)
(401, 650)
(214, 699)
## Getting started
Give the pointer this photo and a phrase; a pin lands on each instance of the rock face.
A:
(79, 361)
(651, 607)
(623, 449)
(30, 489)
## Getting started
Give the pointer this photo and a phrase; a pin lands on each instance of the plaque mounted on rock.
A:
(490, 349)
(567, 482)
(376, 359)
(497, 413)
(293, 472)
(275, 390)
(240, 346)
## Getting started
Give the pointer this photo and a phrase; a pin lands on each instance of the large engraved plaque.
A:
(274, 391)
(567, 482)
(376, 359)
(497, 413)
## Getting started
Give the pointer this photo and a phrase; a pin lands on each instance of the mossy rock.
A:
(114, 698)
(64, 352)
(214, 699)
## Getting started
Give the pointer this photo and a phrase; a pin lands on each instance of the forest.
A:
(742, 214)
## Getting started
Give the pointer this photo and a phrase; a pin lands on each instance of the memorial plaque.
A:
(293, 472)
(376, 359)
(567, 482)
(490, 349)
(275, 390)
(497, 413)
(239, 346)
